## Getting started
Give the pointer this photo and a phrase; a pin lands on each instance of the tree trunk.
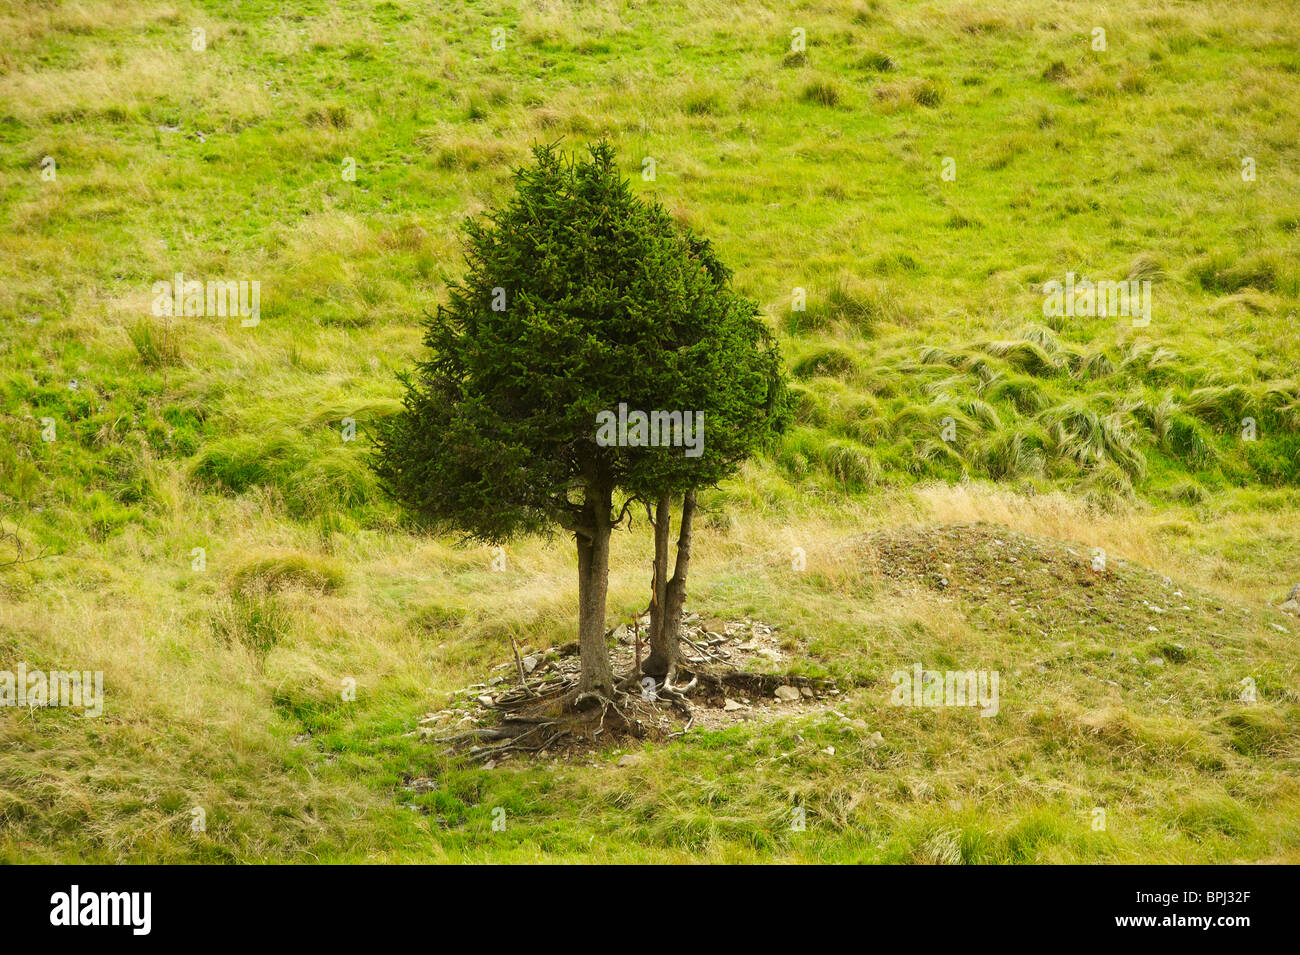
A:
(657, 663)
(674, 597)
(593, 587)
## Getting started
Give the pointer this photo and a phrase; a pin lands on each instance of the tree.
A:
(578, 297)
(736, 379)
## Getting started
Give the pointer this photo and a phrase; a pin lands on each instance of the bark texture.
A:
(665, 636)
(593, 587)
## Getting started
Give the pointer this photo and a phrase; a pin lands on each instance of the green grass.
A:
(820, 171)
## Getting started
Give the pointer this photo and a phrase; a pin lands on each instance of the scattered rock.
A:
(485, 700)
(731, 706)
(806, 692)
(875, 739)
(631, 759)
(787, 694)
(829, 751)
(1292, 605)
(530, 663)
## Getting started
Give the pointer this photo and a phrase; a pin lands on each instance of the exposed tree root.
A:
(539, 716)
(531, 723)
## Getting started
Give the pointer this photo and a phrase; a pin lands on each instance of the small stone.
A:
(530, 663)
(1156, 662)
(875, 739)
(731, 706)
(806, 692)
(485, 700)
(631, 759)
(1291, 606)
(829, 751)
(787, 694)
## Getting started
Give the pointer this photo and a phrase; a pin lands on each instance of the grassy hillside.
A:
(823, 170)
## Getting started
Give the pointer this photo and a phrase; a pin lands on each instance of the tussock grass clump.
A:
(257, 622)
(835, 361)
(273, 572)
(894, 96)
(1146, 268)
(926, 93)
(1091, 439)
(1187, 492)
(156, 343)
(850, 464)
(1056, 71)
(1149, 361)
(845, 462)
(703, 101)
(876, 62)
(1011, 453)
(822, 92)
(1091, 365)
(1208, 817)
(334, 115)
(1223, 407)
(1185, 439)
(1224, 273)
(1025, 355)
(311, 474)
(1259, 730)
(1025, 394)
(854, 305)
(470, 155)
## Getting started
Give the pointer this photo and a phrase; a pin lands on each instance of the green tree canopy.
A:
(578, 296)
